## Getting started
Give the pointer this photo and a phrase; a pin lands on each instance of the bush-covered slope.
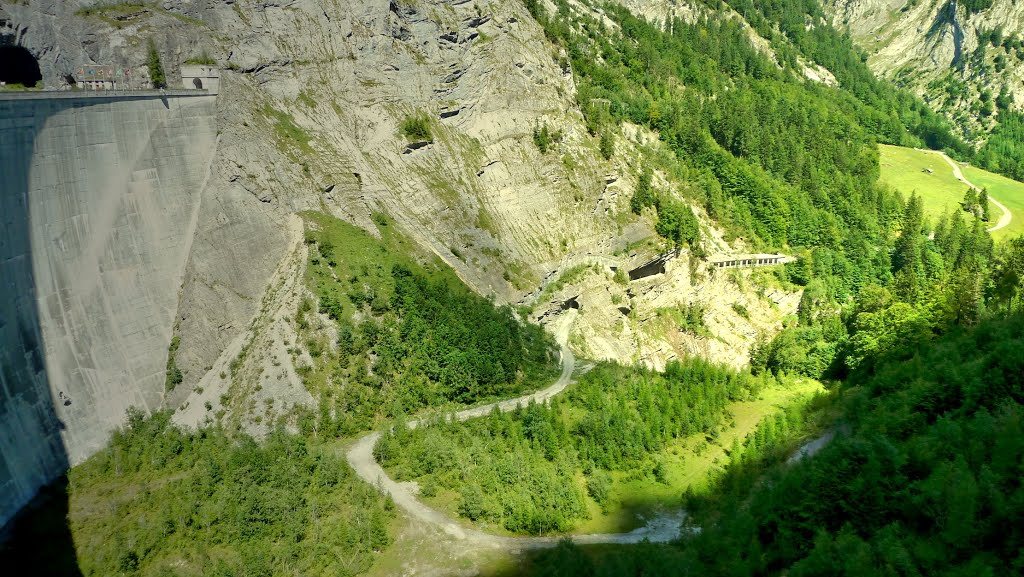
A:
(405, 332)
(162, 501)
(923, 478)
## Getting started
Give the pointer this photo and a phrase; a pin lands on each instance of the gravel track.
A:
(1007, 216)
(660, 529)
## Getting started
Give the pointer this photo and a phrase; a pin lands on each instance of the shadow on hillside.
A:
(38, 540)
(568, 560)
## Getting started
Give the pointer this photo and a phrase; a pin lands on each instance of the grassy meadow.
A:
(907, 170)
(690, 462)
(1007, 191)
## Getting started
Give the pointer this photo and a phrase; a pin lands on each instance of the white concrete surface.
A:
(99, 199)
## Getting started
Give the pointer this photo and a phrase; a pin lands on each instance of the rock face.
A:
(309, 116)
(931, 45)
(99, 201)
(63, 38)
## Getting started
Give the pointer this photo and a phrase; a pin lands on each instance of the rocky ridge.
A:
(933, 49)
(312, 98)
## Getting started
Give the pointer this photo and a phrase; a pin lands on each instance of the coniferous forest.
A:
(922, 478)
(913, 327)
(527, 471)
(918, 324)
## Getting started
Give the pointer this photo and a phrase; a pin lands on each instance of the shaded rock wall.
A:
(99, 201)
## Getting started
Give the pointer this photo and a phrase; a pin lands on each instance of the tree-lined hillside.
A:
(923, 478)
(407, 333)
(530, 471)
(774, 157)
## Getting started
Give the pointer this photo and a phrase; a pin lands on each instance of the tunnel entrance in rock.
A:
(197, 83)
(652, 268)
(18, 66)
(572, 303)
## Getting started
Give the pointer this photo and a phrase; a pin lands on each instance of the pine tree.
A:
(970, 202)
(983, 203)
(642, 196)
(607, 143)
(907, 254)
(964, 297)
(156, 69)
(542, 137)
(736, 451)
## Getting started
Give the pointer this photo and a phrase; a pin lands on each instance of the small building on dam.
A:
(200, 77)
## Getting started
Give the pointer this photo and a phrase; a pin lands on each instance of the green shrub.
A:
(643, 196)
(660, 472)
(417, 127)
(156, 68)
(544, 137)
(621, 277)
(607, 143)
(173, 376)
(599, 486)
(203, 59)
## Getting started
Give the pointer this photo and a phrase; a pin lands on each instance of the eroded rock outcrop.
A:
(313, 97)
(931, 45)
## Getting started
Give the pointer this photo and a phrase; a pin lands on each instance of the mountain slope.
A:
(313, 100)
(959, 56)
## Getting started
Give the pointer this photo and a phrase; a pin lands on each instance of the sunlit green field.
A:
(1009, 192)
(690, 463)
(907, 170)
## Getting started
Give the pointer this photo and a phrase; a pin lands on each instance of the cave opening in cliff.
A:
(18, 66)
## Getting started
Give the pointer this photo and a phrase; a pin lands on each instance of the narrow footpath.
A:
(360, 456)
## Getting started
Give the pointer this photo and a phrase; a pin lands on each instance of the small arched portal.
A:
(198, 83)
(656, 266)
(18, 66)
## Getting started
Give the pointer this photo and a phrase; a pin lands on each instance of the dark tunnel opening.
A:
(18, 66)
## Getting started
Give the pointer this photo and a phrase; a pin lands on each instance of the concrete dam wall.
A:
(99, 199)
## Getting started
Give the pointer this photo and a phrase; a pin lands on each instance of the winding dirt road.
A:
(1007, 216)
(360, 456)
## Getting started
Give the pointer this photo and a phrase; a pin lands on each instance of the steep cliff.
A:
(957, 57)
(310, 116)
